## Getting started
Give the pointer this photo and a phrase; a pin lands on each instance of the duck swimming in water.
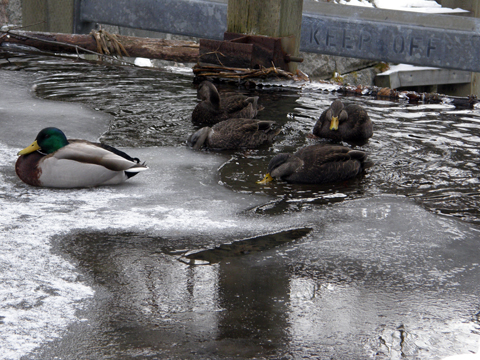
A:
(53, 161)
(213, 108)
(234, 134)
(349, 123)
(316, 164)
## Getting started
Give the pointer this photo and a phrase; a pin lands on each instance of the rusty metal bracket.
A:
(247, 51)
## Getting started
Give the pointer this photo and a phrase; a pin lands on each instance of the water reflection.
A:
(149, 301)
(146, 302)
(256, 306)
(262, 243)
(375, 269)
(366, 275)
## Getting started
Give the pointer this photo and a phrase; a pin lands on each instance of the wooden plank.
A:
(274, 18)
(473, 7)
(422, 77)
(199, 18)
(48, 15)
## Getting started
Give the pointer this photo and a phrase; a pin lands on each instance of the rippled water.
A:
(428, 152)
(376, 272)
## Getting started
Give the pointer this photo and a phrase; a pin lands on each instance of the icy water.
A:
(385, 266)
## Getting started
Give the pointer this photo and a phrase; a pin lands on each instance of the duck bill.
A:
(334, 123)
(265, 180)
(29, 149)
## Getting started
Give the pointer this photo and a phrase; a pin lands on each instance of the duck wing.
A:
(328, 163)
(207, 114)
(357, 114)
(242, 134)
(240, 106)
(90, 153)
(118, 152)
(358, 125)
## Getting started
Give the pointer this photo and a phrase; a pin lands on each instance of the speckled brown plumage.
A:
(317, 164)
(213, 108)
(354, 123)
(235, 134)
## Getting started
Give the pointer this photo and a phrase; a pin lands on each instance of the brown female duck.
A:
(316, 164)
(349, 123)
(213, 108)
(234, 134)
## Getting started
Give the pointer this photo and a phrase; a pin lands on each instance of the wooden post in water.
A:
(48, 15)
(473, 7)
(275, 18)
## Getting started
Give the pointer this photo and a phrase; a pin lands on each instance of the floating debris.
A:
(204, 72)
(276, 77)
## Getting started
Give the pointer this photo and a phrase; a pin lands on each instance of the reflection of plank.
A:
(244, 247)
(412, 76)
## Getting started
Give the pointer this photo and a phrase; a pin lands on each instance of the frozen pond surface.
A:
(389, 270)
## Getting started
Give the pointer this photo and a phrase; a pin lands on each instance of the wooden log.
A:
(173, 50)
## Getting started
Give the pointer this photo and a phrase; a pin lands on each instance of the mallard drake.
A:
(349, 123)
(53, 161)
(213, 108)
(316, 164)
(234, 134)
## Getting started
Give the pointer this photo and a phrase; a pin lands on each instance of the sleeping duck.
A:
(54, 161)
(213, 108)
(234, 134)
(349, 123)
(316, 164)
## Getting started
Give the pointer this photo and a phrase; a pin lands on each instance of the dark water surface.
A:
(389, 270)
(428, 152)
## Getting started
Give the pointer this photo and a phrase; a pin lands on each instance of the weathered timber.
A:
(246, 51)
(274, 18)
(422, 77)
(172, 50)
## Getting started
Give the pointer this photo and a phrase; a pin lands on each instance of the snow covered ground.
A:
(424, 6)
